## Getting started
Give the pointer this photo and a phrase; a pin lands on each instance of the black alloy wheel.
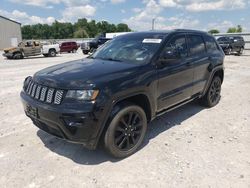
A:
(126, 131)
(213, 96)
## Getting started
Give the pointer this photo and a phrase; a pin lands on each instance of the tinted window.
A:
(222, 39)
(130, 48)
(177, 45)
(210, 44)
(196, 44)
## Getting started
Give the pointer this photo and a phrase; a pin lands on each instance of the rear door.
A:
(200, 61)
(175, 76)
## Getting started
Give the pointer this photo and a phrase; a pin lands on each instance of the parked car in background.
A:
(113, 94)
(31, 48)
(232, 44)
(69, 47)
(93, 45)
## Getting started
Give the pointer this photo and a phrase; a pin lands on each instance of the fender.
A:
(114, 102)
(214, 70)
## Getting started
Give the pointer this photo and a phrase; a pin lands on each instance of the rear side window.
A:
(210, 44)
(196, 44)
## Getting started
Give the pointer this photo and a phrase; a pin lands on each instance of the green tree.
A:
(237, 29)
(121, 27)
(82, 28)
(81, 33)
(213, 31)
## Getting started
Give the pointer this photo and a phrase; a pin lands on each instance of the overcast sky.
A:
(169, 14)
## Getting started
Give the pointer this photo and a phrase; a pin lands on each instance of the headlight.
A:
(82, 94)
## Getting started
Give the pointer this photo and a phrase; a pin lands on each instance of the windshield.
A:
(136, 49)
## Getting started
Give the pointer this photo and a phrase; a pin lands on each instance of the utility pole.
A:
(153, 23)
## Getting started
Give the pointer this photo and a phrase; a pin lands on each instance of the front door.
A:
(28, 48)
(175, 77)
(36, 48)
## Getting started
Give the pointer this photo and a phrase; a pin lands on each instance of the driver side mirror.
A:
(170, 55)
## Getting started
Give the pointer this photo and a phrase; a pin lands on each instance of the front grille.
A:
(43, 93)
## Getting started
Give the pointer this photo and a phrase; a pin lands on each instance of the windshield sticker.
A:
(139, 58)
(152, 41)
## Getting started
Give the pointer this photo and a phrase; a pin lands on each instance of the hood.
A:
(9, 49)
(85, 73)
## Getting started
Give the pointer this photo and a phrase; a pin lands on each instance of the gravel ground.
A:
(188, 147)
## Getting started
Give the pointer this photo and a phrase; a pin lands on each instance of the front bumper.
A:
(8, 55)
(79, 125)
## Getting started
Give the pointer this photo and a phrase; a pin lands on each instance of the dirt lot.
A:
(188, 147)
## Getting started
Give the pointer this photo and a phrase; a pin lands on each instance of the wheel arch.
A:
(140, 99)
(218, 71)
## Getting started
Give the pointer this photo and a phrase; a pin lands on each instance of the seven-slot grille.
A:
(43, 93)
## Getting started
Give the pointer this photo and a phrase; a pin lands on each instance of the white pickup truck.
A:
(31, 48)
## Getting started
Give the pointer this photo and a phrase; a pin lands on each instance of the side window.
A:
(28, 44)
(36, 43)
(210, 44)
(196, 45)
(176, 47)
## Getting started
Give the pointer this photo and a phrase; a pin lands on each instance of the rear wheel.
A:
(240, 52)
(229, 51)
(212, 97)
(126, 131)
(85, 52)
(52, 53)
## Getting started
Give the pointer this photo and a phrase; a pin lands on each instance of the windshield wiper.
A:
(111, 59)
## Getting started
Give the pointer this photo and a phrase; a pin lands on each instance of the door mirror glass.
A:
(171, 54)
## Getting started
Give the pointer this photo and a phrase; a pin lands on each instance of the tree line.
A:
(237, 29)
(81, 29)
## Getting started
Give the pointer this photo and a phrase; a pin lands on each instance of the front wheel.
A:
(18, 55)
(212, 96)
(126, 131)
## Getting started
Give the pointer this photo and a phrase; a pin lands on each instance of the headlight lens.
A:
(82, 94)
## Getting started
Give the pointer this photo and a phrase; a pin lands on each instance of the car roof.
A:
(166, 32)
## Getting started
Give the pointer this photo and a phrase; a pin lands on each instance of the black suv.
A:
(232, 44)
(93, 45)
(114, 93)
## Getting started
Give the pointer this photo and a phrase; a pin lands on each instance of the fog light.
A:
(75, 122)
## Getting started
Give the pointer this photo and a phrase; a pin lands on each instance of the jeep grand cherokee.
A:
(114, 93)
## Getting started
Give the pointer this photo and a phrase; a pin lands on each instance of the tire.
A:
(18, 55)
(85, 52)
(126, 131)
(212, 96)
(74, 51)
(52, 53)
(240, 52)
(229, 51)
